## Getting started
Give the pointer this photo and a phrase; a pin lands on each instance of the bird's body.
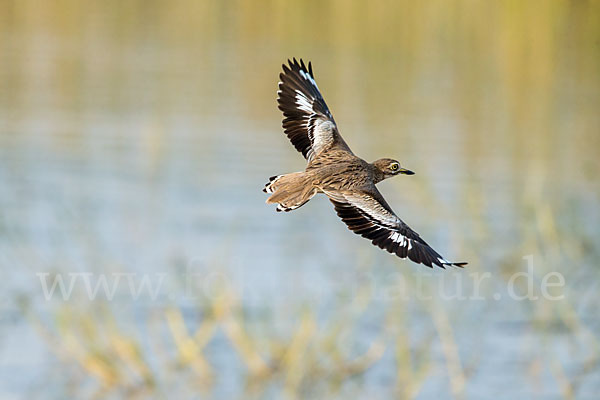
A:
(334, 170)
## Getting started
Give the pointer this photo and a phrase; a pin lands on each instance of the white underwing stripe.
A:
(322, 134)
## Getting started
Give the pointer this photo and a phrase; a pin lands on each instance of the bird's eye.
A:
(394, 167)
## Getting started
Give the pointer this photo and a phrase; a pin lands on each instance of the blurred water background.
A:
(135, 138)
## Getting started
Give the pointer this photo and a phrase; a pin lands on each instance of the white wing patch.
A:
(303, 103)
(398, 238)
(322, 131)
(308, 78)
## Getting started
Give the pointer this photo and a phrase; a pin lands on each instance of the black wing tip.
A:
(297, 65)
(453, 264)
(442, 265)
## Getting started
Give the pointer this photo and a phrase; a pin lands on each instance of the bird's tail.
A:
(289, 191)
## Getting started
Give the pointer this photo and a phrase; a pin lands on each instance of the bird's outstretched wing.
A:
(307, 122)
(367, 214)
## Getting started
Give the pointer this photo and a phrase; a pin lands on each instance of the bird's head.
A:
(386, 168)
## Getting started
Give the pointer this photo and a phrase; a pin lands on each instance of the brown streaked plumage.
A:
(334, 170)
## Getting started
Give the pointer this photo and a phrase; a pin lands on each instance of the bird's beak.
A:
(405, 171)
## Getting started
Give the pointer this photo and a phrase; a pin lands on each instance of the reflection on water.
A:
(135, 139)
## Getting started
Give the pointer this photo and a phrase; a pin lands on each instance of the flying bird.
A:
(333, 169)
